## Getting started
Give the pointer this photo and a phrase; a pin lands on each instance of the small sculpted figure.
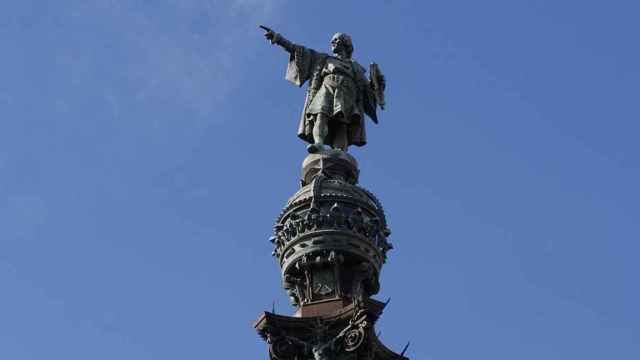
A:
(337, 215)
(339, 93)
(356, 220)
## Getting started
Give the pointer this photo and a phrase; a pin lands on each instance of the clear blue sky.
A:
(146, 148)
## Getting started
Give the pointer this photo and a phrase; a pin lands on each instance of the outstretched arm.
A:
(277, 39)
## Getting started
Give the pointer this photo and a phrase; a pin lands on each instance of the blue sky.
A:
(146, 147)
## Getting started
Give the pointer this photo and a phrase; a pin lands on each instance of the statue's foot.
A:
(314, 148)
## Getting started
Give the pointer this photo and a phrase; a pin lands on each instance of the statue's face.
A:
(339, 44)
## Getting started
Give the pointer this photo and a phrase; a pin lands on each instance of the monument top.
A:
(339, 94)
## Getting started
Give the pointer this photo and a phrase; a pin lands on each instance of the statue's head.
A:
(341, 43)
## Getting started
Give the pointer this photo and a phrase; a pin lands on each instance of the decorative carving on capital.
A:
(322, 343)
(285, 347)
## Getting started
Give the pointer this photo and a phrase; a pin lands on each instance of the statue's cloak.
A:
(307, 65)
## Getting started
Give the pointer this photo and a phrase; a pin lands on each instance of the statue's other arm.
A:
(278, 39)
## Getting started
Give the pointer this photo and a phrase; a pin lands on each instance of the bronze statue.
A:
(339, 93)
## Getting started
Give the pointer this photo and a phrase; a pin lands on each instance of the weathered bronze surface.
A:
(339, 93)
(345, 334)
(331, 238)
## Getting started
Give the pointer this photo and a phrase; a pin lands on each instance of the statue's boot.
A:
(314, 148)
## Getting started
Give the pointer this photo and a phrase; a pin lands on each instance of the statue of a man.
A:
(339, 93)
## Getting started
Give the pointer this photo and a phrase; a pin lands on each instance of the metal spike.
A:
(387, 302)
(405, 348)
(273, 307)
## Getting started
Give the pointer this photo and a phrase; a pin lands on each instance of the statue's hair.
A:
(347, 41)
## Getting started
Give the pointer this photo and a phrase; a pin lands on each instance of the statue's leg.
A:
(320, 131)
(341, 139)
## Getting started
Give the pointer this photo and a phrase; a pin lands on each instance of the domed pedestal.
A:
(331, 238)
